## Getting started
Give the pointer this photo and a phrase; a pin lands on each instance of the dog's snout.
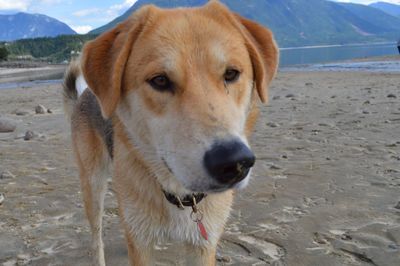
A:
(229, 162)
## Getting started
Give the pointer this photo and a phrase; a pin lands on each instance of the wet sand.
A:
(28, 72)
(325, 190)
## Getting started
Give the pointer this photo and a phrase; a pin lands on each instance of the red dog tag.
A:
(202, 230)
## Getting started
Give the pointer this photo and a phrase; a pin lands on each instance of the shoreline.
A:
(334, 45)
(376, 64)
(19, 74)
(29, 73)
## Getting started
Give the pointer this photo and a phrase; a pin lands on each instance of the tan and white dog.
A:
(171, 102)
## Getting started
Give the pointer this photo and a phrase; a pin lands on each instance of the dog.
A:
(172, 96)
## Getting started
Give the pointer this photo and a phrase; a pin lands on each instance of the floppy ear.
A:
(264, 54)
(104, 60)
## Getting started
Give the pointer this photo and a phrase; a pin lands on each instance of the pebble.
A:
(290, 95)
(21, 112)
(274, 167)
(23, 259)
(309, 84)
(7, 125)
(49, 111)
(6, 175)
(397, 206)
(277, 97)
(224, 259)
(324, 125)
(392, 96)
(40, 109)
(1, 198)
(365, 112)
(272, 124)
(29, 135)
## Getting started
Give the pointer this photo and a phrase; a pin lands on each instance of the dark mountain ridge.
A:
(24, 26)
(301, 22)
(391, 9)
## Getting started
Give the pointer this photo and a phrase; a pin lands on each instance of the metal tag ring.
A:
(196, 216)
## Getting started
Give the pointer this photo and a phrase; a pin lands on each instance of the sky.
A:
(85, 15)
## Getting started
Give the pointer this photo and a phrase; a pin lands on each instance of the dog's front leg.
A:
(139, 255)
(200, 256)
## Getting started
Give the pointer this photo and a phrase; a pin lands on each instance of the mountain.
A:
(391, 9)
(140, 3)
(24, 25)
(374, 21)
(301, 22)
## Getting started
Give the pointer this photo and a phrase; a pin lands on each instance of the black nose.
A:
(229, 162)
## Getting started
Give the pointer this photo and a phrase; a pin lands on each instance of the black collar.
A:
(189, 200)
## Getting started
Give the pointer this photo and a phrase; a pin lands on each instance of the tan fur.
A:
(153, 129)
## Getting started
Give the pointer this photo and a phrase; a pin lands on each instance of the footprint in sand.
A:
(375, 244)
(289, 214)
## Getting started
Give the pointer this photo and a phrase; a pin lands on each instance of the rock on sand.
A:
(40, 109)
(7, 125)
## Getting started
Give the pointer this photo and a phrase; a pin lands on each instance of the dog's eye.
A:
(161, 83)
(231, 75)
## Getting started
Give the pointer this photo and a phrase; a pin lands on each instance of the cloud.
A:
(115, 10)
(15, 5)
(51, 2)
(103, 14)
(367, 2)
(86, 12)
(82, 29)
(124, 5)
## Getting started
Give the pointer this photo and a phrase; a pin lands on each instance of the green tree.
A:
(3, 53)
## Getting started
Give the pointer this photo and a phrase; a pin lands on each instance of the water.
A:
(372, 66)
(315, 57)
(322, 54)
(28, 84)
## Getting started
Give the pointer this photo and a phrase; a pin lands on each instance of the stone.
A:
(392, 96)
(7, 125)
(40, 109)
(2, 198)
(21, 112)
(224, 259)
(49, 111)
(6, 175)
(272, 124)
(29, 135)
(274, 167)
(276, 97)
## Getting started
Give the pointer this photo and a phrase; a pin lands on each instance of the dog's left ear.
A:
(264, 54)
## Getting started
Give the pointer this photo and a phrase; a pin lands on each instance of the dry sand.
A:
(326, 188)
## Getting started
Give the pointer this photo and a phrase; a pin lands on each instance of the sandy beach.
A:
(325, 189)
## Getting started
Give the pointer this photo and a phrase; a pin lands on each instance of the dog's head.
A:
(185, 85)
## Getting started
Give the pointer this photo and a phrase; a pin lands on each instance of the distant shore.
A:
(381, 64)
(334, 45)
(24, 71)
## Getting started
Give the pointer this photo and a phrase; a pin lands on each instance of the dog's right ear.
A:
(104, 59)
